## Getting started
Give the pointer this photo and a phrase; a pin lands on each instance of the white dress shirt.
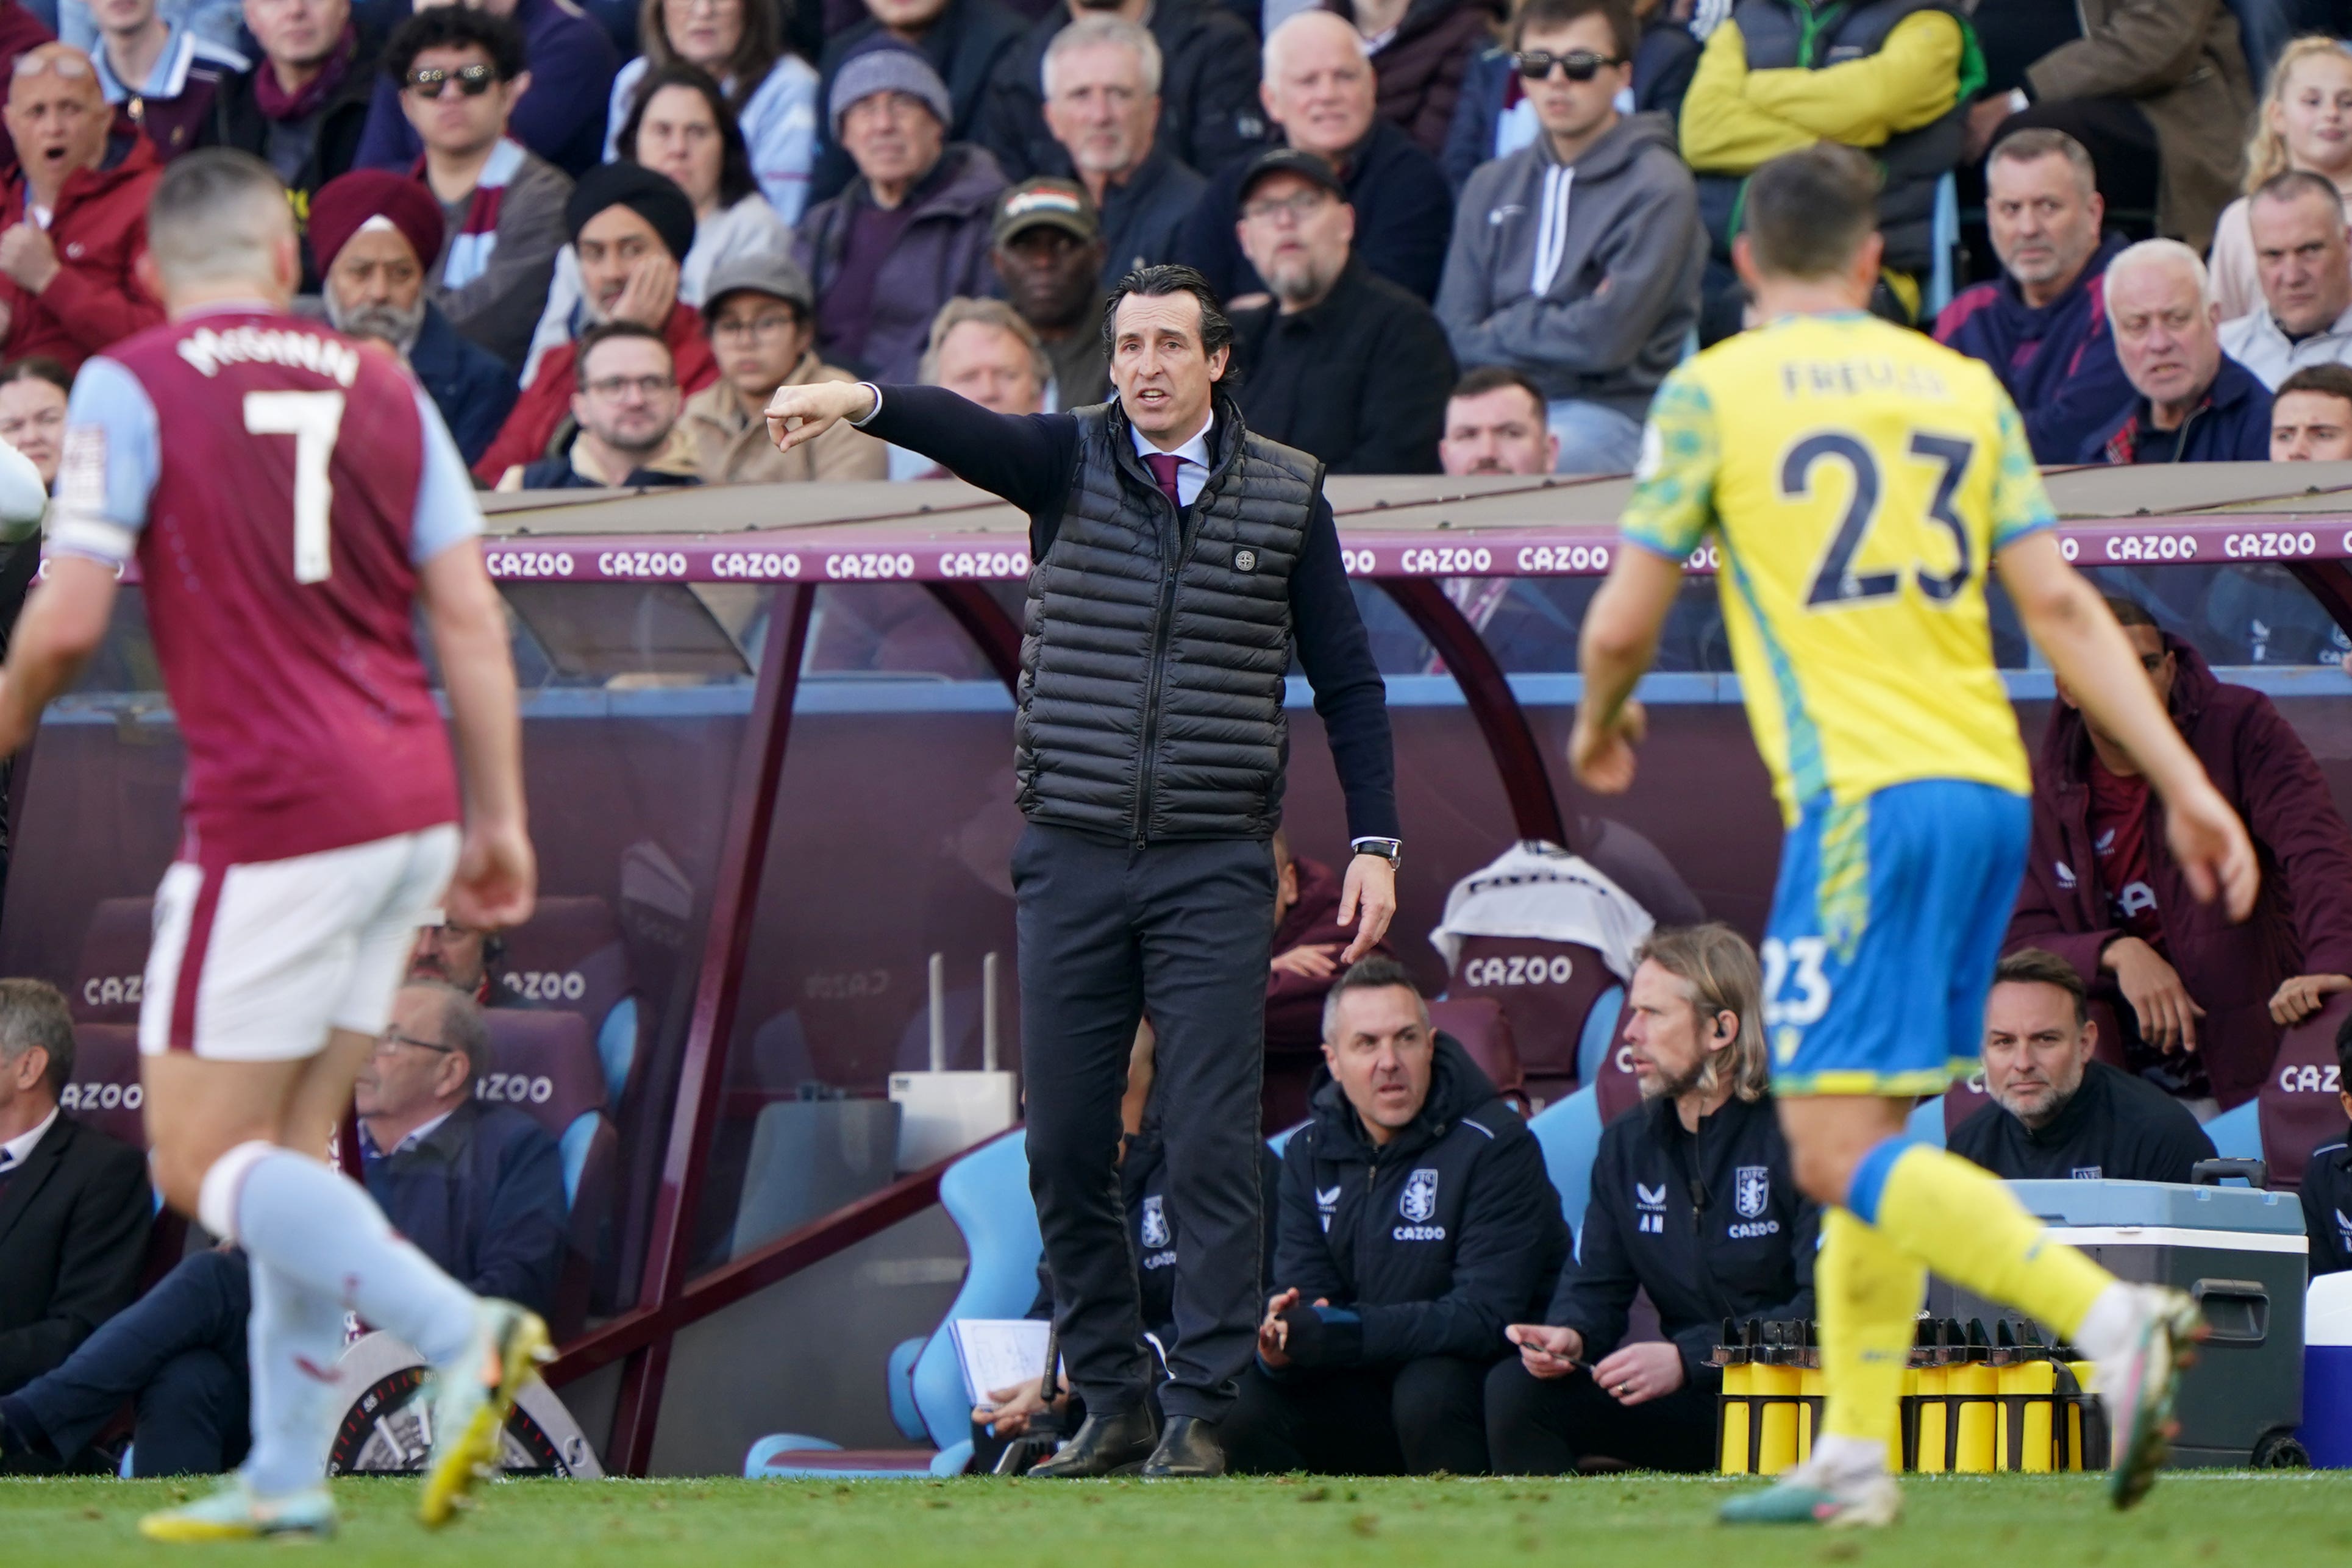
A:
(1193, 469)
(19, 1149)
(2257, 341)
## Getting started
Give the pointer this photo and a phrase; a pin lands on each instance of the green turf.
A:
(1620, 1521)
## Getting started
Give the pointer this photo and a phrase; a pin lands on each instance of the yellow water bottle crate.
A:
(1970, 1403)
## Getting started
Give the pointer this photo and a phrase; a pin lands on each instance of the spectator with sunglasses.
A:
(1577, 260)
(461, 71)
(73, 217)
(560, 116)
(302, 107)
(1881, 75)
(1496, 117)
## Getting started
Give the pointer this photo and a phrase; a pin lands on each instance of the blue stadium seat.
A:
(1569, 1132)
(1600, 1032)
(1928, 1121)
(2238, 1134)
(1944, 243)
(986, 1194)
(1281, 1140)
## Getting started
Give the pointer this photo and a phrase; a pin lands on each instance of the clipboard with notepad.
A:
(999, 1352)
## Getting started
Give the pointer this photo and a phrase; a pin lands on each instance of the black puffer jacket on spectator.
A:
(1430, 1245)
(1209, 109)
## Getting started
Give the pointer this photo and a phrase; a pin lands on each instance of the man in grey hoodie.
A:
(1577, 260)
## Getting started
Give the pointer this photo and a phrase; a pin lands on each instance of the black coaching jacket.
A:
(1432, 1245)
(1709, 1223)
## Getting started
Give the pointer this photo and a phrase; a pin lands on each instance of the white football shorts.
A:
(257, 963)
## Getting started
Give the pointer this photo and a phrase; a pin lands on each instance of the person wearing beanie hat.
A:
(374, 233)
(911, 231)
(963, 39)
(630, 227)
(760, 313)
(461, 73)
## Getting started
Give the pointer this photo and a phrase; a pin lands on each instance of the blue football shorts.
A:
(1885, 928)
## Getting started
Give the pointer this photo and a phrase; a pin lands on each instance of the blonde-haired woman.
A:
(2304, 122)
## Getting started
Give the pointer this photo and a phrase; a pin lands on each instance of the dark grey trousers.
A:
(1109, 933)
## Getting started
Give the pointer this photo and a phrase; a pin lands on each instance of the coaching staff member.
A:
(1692, 1201)
(1415, 1221)
(1178, 560)
(2055, 1113)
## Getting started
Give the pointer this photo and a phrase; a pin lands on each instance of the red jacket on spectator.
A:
(1294, 1004)
(100, 230)
(2301, 923)
(546, 402)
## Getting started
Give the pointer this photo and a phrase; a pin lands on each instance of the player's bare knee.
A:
(1823, 1172)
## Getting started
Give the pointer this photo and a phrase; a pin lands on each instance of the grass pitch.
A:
(2203, 1519)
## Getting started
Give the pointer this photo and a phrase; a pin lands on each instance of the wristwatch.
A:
(1389, 849)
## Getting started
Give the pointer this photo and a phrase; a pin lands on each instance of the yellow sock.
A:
(1868, 1293)
(1958, 1220)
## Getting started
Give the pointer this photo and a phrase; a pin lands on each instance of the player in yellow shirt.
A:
(1861, 479)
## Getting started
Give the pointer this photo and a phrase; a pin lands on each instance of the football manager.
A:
(1179, 561)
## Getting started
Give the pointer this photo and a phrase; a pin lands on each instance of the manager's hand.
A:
(1367, 901)
(798, 414)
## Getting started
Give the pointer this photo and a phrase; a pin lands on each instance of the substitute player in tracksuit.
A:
(1692, 1202)
(1415, 1221)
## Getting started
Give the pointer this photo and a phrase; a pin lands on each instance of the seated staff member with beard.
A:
(1692, 1202)
(2055, 1113)
(1143, 1193)
(1414, 1220)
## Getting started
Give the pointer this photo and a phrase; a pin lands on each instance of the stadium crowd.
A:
(1451, 240)
(1401, 194)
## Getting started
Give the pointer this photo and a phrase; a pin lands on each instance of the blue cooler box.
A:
(2328, 1373)
(2240, 1253)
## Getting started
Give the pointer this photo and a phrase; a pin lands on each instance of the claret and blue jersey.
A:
(1860, 478)
(281, 487)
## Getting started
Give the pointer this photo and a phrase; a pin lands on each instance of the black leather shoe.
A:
(1104, 1445)
(1190, 1449)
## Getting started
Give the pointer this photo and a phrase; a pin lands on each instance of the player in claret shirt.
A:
(291, 501)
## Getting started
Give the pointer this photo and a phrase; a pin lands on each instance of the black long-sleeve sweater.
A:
(1031, 461)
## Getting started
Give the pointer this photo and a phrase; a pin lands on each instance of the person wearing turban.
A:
(374, 236)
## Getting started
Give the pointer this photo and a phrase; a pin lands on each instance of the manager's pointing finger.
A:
(798, 414)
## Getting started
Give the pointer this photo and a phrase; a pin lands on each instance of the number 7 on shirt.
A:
(313, 419)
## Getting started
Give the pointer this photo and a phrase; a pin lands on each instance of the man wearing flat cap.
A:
(760, 314)
(911, 231)
(630, 228)
(1048, 255)
(374, 235)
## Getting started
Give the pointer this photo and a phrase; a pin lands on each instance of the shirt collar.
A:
(2337, 328)
(416, 1136)
(1195, 450)
(19, 1149)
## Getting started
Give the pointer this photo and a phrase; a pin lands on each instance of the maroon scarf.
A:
(276, 103)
